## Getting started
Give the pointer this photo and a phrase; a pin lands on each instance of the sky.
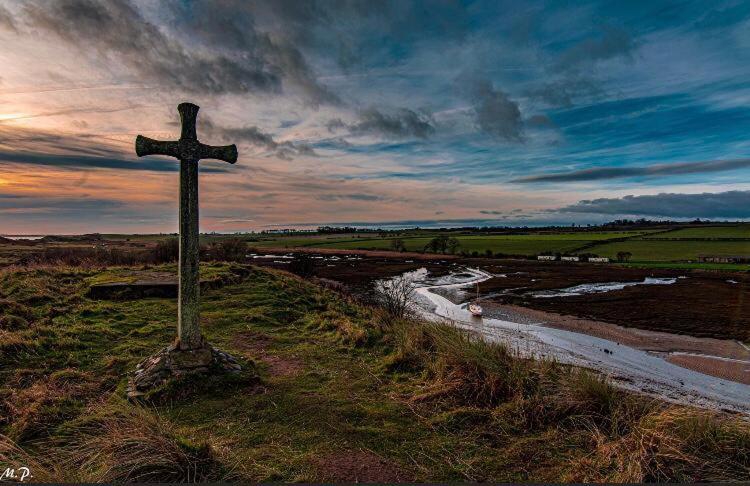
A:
(435, 113)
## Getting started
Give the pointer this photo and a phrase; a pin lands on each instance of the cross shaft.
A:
(189, 150)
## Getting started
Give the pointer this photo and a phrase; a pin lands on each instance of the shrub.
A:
(166, 251)
(396, 295)
(227, 250)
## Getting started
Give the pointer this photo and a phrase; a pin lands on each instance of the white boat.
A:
(474, 307)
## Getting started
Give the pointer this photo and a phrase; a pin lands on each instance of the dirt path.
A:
(255, 346)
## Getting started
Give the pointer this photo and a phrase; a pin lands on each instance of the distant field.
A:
(654, 250)
(739, 231)
(509, 244)
(306, 241)
(520, 246)
(689, 266)
(638, 244)
(676, 249)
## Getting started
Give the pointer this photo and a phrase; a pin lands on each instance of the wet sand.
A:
(722, 368)
(697, 354)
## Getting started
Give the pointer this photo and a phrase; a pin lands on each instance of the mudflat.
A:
(707, 304)
(721, 358)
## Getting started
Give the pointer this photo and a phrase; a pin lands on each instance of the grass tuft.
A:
(499, 396)
(127, 443)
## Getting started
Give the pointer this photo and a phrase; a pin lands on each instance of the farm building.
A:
(546, 257)
(724, 258)
(598, 259)
(570, 258)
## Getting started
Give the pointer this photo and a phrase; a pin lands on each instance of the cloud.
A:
(96, 162)
(494, 112)
(353, 197)
(612, 42)
(236, 221)
(253, 136)
(6, 19)
(116, 29)
(730, 205)
(14, 203)
(563, 92)
(234, 26)
(657, 170)
(401, 123)
(541, 121)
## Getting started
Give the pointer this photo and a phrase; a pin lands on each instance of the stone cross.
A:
(189, 150)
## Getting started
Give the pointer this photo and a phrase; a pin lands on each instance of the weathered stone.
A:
(189, 353)
(174, 363)
(190, 358)
(190, 151)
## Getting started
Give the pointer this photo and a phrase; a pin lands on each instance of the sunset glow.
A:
(460, 113)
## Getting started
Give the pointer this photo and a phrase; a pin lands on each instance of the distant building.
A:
(570, 258)
(724, 258)
(598, 259)
(547, 257)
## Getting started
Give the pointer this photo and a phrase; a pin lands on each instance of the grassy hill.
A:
(331, 391)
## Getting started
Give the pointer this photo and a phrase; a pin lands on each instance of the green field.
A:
(664, 251)
(661, 248)
(509, 244)
(677, 248)
(688, 266)
(738, 231)
(680, 245)
(505, 245)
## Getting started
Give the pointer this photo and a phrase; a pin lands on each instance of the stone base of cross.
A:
(189, 353)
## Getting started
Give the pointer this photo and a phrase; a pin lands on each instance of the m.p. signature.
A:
(21, 474)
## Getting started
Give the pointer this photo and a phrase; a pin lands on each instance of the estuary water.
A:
(627, 367)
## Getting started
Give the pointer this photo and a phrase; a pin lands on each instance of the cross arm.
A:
(149, 146)
(227, 153)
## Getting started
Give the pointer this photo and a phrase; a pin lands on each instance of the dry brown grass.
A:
(122, 443)
(12, 455)
(669, 444)
(31, 410)
(618, 436)
(330, 320)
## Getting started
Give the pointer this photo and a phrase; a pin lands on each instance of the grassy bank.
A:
(331, 391)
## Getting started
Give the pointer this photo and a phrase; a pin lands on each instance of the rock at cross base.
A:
(173, 362)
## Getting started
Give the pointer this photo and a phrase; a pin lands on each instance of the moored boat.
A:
(474, 308)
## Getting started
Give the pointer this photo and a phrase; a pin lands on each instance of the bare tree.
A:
(442, 244)
(452, 246)
(396, 295)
